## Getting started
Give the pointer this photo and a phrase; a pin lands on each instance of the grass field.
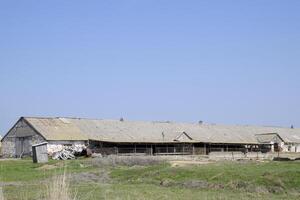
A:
(91, 180)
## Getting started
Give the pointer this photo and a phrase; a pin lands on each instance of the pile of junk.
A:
(72, 152)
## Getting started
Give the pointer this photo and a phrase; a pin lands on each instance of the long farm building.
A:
(145, 138)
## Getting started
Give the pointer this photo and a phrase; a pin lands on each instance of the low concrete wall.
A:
(250, 155)
(226, 155)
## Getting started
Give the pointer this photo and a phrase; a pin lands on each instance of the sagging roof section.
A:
(269, 138)
(152, 132)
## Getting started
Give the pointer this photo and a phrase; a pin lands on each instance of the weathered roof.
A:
(269, 138)
(151, 132)
(288, 135)
(56, 128)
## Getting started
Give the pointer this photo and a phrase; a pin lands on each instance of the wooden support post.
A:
(135, 149)
(151, 150)
(116, 151)
(193, 149)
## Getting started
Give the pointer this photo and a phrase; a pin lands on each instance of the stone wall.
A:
(8, 148)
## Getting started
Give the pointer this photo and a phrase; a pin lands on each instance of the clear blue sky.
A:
(229, 62)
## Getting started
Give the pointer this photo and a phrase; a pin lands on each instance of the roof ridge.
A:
(164, 122)
(60, 118)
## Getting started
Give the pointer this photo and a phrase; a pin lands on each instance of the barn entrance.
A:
(23, 146)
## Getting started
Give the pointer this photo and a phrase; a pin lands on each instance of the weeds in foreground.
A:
(59, 189)
(1, 194)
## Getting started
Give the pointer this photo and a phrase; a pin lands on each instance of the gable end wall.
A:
(20, 133)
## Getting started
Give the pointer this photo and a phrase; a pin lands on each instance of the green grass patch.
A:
(281, 174)
(21, 179)
(25, 170)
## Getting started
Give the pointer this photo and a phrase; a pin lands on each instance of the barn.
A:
(143, 138)
(29, 131)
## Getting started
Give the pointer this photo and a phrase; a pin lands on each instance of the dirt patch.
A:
(47, 167)
(10, 159)
(2, 184)
(276, 190)
(251, 188)
(168, 183)
(199, 184)
(234, 185)
(91, 177)
(196, 184)
(187, 163)
(192, 184)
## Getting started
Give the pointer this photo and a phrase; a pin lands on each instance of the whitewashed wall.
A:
(293, 148)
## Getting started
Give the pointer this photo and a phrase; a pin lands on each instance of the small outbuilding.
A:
(40, 153)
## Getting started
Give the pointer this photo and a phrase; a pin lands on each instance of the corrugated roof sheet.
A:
(151, 132)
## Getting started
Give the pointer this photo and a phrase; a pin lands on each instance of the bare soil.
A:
(178, 163)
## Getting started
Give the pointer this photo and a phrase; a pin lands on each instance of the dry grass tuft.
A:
(1, 194)
(59, 189)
